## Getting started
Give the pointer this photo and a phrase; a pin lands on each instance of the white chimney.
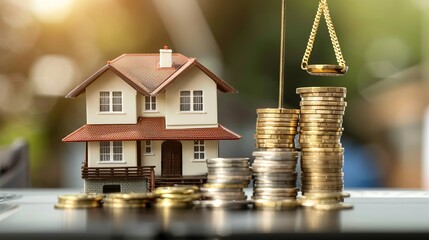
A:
(165, 58)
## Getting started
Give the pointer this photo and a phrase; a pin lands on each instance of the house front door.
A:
(171, 163)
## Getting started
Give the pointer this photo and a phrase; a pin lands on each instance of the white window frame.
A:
(111, 102)
(199, 150)
(192, 101)
(152, 103)
(111, 152)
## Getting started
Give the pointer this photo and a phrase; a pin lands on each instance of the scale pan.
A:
(327, 70)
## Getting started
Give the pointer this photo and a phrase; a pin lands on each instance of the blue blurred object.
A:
(360, 166)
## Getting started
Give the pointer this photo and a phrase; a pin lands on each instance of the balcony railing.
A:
(127, 173)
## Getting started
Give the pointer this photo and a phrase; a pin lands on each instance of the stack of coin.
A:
(322, 155)
(225, 182)
(274, 166)
(129, 200)
(276, 128)
(177, 196)
(79, 200)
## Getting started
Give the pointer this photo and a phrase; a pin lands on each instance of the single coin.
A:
(278, 115)
(320, 145)
(271, 136)
(328, 112)
(322, 107)
(276, 124)
(320, 94)
(335, 150)
(321, 89)
(282, 141)
(323, 103)
(275, 145)
(321, 116)
(322, 99)
(320, 124)
(228, 165)
(277, 110)
(294, 119)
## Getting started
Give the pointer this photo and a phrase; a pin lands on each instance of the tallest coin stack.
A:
(322, 154)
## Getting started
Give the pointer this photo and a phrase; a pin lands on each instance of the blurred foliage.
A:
(372, 34)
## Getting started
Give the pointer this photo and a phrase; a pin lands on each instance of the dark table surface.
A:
(30, 213)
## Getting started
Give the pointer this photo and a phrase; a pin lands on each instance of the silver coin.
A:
(223, 204)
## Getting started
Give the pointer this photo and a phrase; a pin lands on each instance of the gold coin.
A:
(340, 95)
(319, 141)
(78, 205)
(329, 112)
(276, 124)
(283, 141)
(322, 180)
(274, 145)
(322, 162)
(277, 110)
(174, 190)
(321, 170)
(318, 124)
(328, 129)
(168, 203)
(278, 115)
(275, 120)
(320, 133)
(317, 137)
(271, 136)
(270, 128)
(321, 116)
(323, 103)
(324, 150)
(319, 145)
(328, 99)
(276, 132)
(327, 195)
(305, 119)
(130, 196)
(321, 90)
(330, 108)
(81, 197)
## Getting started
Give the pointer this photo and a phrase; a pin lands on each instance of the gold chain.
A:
(323, 8)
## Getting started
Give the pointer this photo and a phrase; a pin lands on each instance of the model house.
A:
(151, 119)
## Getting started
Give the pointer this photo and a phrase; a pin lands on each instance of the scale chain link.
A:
(323, 9)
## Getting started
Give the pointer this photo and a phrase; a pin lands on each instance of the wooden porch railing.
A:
(127, 173)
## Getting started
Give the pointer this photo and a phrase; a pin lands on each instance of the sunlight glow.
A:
(51, 10)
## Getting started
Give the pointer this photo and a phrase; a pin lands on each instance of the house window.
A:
(150, 103)
(147, 147)
(191, 101)
(111, 151)
(199, 150)
(110, 101)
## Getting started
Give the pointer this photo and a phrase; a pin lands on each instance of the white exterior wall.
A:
(160, 106)
(153, 159)
(197, 167)
(194, 79)
(129, 155)
(110, 82)
(189, 165)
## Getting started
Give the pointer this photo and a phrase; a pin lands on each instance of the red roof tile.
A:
(147, 128)
(141, 72)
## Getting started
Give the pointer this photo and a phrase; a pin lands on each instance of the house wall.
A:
(193, 79)
(111, 82)
(197, 167)
(189, 165)
(160, 106)
(153, 159)
(129, 155)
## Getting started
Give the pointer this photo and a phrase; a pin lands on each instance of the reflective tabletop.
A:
(30, 213)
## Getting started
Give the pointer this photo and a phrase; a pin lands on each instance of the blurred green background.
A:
(47, 47)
